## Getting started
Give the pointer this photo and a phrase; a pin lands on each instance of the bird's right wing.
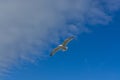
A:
(55, 50)
(67, 40)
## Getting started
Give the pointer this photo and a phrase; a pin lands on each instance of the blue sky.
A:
(92, 55)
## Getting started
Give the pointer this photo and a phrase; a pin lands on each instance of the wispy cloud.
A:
(27, 26)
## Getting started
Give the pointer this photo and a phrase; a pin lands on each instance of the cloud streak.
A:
(27, 26)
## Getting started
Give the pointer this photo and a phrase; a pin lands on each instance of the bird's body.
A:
(62, 46)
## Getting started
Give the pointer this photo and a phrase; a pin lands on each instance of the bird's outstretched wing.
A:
(67, 40)
(55, 50)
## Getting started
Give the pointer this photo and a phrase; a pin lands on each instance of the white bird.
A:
(62, 46)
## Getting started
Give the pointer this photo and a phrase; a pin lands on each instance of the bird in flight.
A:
(62, 46)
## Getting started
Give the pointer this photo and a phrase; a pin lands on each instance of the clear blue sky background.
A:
(93, 56)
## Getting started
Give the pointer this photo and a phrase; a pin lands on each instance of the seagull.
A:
(62, 46)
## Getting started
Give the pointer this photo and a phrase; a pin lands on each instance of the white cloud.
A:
(27, 26)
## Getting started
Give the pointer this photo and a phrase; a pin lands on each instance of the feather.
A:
(62, 46)
(67, 41)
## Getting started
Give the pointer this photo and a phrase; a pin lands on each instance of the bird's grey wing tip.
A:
(72, 36)
(51, 54)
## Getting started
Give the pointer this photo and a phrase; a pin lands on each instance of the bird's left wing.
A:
(55, 50)
(67, 40)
